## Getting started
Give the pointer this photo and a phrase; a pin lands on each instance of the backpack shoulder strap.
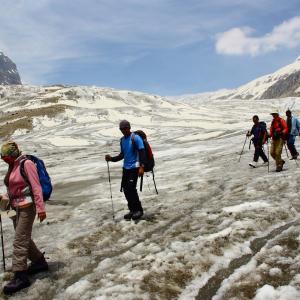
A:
(22, 170)
(133, 139)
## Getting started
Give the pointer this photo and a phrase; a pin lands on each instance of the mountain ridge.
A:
(285, 82)
(9, 74)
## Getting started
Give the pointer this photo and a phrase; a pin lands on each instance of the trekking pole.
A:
(250, 144)
(141, 183)
(287, 154)
(148, 183)
(154, 182)
(243, 148)
(112, 203)
(268, 156)
(2, 242)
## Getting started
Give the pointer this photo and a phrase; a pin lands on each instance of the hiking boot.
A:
(19, 282)
(137, 214)
(279, 169)
(38, 266)
(294, 157)
(253, 164)
(128, 216)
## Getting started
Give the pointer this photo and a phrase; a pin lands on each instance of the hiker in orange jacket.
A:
(278, 133)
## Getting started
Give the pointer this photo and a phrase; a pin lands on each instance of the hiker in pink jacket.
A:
(27, 202)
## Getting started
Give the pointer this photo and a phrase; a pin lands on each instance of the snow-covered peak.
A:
(282, 83)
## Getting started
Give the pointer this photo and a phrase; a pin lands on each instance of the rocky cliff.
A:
(8, 71)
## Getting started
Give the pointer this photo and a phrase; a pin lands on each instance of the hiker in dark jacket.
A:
(133, 153)
(293, 125)
(260, 136)
(27, 206)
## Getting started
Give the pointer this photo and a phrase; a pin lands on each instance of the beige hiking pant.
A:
(276, 150)
(24, 247)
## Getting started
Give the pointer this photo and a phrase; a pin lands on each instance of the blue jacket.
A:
(295, 129)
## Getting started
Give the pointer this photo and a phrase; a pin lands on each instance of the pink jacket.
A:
(16, 184)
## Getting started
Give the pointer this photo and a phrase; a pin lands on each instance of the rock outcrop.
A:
(9, 74)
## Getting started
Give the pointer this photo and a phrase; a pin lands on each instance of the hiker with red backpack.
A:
(278, 133)
(134, 155)
(260, 136)
(27, 203)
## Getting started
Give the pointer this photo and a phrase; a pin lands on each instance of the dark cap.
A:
(124, 124)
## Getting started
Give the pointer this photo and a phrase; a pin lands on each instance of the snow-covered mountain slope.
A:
(213, 216)
(283, 83)
(8, 71)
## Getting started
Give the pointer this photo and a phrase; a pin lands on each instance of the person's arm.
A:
(285, 129)
(142, 157)
(36, 189)
(142, 153)
(271, 130)
(249, 133)
(297, 125)
(119, 157)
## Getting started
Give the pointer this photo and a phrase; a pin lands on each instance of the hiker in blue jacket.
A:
(260, 135)
(293, 130)
(133, 153)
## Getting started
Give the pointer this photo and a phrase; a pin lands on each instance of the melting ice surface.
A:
(209, 207)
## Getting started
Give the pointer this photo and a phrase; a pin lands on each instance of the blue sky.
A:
(165, 47)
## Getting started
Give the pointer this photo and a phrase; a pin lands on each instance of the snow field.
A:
(209, 207)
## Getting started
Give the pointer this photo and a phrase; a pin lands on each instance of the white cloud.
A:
(40, 35)
(238, 41)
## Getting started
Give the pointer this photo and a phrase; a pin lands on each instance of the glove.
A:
(42, 216)
(107, 157)
(4, 202)
(141, 171)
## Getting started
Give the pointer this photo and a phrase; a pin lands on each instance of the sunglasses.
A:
(123, 128)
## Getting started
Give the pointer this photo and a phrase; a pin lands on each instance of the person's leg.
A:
(22, 239)
(130, 191)
(262, 154)
(256, 153)
(272, 150)
(291, 145)
(23, 228)
(278, 152)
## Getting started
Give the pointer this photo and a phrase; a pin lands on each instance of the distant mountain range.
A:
(8, 71)
(285, 82)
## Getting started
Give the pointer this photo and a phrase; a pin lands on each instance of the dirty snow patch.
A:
(246, 206)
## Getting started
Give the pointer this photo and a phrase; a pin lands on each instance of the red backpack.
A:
(150, 163)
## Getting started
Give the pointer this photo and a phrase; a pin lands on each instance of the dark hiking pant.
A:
(259, 152)
(129, 182)
(291, 145)
(23, 246)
